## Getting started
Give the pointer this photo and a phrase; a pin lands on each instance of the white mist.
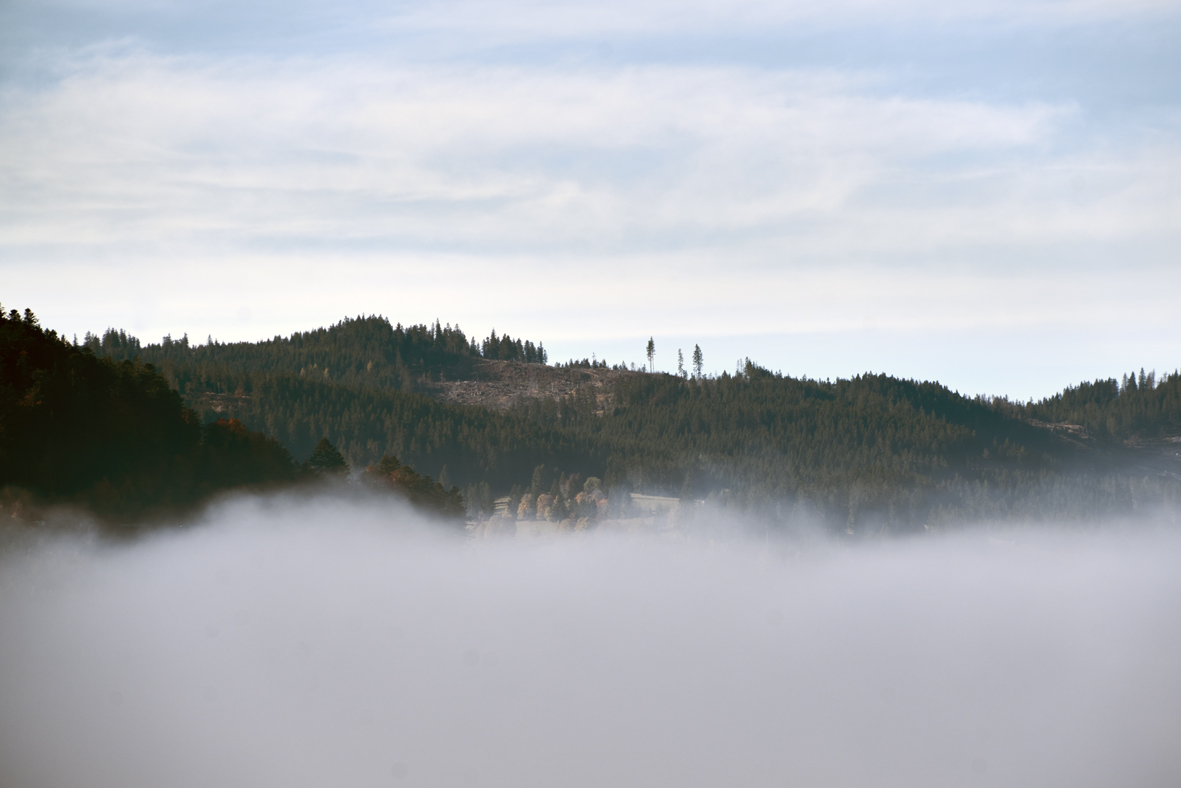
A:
(290, 644)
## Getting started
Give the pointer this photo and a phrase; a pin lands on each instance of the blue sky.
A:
(983, 193)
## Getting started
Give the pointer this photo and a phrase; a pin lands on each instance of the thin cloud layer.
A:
(492, 22)
(139, 149)
(522, 21)
(134, 152)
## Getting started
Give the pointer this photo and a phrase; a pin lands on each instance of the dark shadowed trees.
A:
(390, 475)
(113, 436)
(326, 459)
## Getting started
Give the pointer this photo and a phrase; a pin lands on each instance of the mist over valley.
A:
(292, 642)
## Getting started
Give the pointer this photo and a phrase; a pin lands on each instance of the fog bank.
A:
(294, 644)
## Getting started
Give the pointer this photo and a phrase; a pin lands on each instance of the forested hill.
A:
(752, 431)
(366, 352)
(1133, 409)
(358, 382)
(112, 436)
(781, 434)
(899, 450)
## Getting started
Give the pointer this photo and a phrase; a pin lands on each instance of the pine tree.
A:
(651, 351)
(326, 459)
(680, 363)
(698, 361)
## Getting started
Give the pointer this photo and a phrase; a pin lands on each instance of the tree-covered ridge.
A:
(777, 433)
(326, 384)
(462, 445)
(363, 352)
(869, 448)
(760, 433)
(1136, 407)
(113, 436)
(870, 451)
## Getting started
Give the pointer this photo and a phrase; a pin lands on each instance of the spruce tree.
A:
(326, 459)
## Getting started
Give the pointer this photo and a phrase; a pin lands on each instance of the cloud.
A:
(291, 644)
(522, 21)
(517, 20)
(139, 149)
(132, 153)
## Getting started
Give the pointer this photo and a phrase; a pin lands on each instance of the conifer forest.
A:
(488, 429)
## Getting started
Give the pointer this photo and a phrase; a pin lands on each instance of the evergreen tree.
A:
(326, 459)
(698, 361)
(651, 353)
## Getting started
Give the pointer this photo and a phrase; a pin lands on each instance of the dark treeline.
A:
(872, 450)
(1136, 407)
(779, 433)
(115, 438)
(360, 352)
(458, 444)
(354, 382)
(869, 452)
(506, 348)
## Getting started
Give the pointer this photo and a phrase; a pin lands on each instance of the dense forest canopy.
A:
(363, 351)
(899, 449)
(112, 435)
(872, 448)
(868, 426)
(115, 438)
(356, 382)
(749, 431)
(1136, 407)
(869, 449)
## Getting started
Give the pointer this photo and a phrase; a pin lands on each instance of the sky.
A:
(981, 193)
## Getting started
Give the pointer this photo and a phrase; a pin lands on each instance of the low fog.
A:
(283, 643)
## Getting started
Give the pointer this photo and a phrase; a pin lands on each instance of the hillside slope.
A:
(112, 436)
(869, 449)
